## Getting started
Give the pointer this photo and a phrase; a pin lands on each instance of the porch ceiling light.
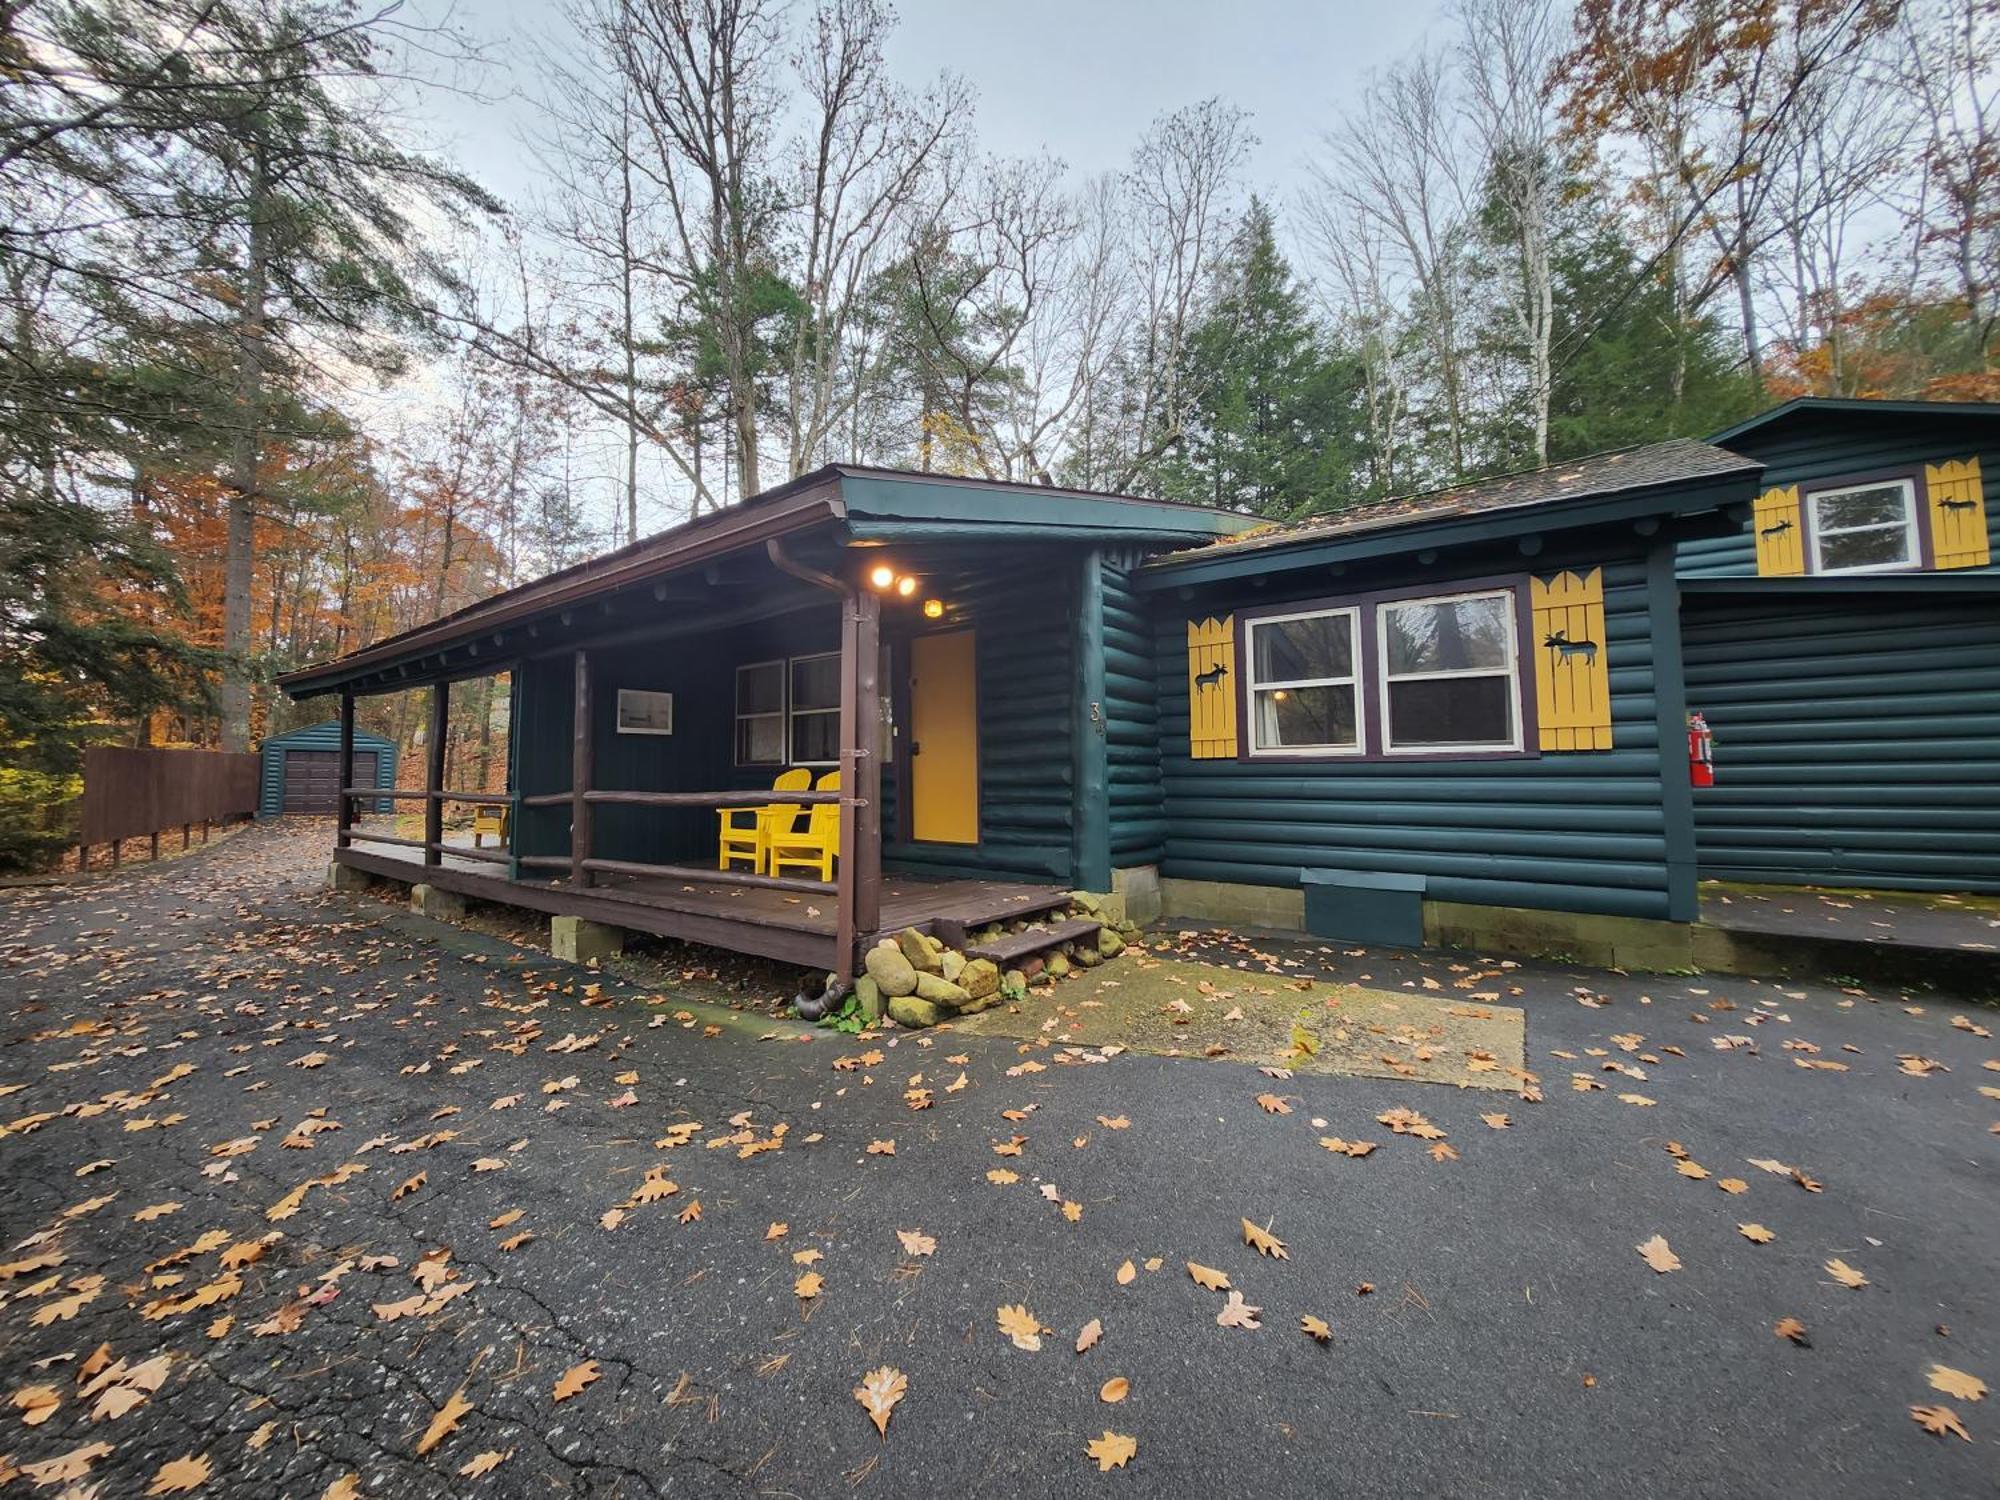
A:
(934, 609)
(881, 576)
(906, 586)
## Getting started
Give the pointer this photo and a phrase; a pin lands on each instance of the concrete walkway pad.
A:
(1178, 1009)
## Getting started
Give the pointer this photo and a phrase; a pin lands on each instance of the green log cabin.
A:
(1439, 718)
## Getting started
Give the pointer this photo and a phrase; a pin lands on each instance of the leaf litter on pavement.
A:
(190, 1284)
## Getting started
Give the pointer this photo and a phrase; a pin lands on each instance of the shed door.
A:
(944, 740)
(312, 777)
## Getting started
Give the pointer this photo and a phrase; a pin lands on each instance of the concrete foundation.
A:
(579, 941)
(1136, 889)
(346, 878)
(1228, 904)
(429, 901)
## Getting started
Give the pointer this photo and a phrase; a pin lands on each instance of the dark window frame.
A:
(1373, 726)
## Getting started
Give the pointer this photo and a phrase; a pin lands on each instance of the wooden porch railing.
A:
(856, 889)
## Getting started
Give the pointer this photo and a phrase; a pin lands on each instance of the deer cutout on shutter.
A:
(1572, 667)
(1212, 689)
(1957, 514)
(1781, 550)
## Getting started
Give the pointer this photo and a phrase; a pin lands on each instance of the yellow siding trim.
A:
(1572, 676)
(1958, 514)
(1781, 551)
(1212, 689)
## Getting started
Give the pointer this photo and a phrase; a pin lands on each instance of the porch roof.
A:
(845, 505)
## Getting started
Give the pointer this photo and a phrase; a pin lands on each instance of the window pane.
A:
(815, 737)
(761, 689)
(1882, 547)
(1882, 506)
(816, 682)
(1298, 718)
(1451, 711)
(760, 742)
(1448, 636)
(1292, 650)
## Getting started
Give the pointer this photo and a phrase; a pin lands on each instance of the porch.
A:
(928, 655)
(791, 927)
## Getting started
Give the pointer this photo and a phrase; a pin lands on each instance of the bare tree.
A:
(1951, 68)
(869, 152)
(1398, 163)
(1184, 189)
(1507, 51)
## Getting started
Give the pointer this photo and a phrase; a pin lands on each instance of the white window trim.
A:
(794, 713)
(1515, 716)
(1912, 545)
(1253, 685)
(778, 713)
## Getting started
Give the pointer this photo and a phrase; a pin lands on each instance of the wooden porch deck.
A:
(782, 925)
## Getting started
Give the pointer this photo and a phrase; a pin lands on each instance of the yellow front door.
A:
(944, 740)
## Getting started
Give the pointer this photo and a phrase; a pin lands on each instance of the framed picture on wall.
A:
(641, 712)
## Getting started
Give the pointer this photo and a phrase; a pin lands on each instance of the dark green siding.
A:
(1024, 616)
(1825, 449)
(1132, 725)
(700, 671)
(1580, 832)
(1857, 739)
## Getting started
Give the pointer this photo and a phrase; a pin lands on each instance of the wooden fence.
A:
(130, 793)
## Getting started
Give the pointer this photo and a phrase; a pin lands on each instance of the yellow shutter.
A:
(1958, 514)
(1212, 689)
(1781, 551)
(1572, 663)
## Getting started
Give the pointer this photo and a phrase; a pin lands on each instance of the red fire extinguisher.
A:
(1701, 752)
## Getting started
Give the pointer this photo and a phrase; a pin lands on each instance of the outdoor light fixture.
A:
(934, 609)
(906, 586)
(881, 576)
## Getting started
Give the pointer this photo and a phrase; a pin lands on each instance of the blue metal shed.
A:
(301, 770)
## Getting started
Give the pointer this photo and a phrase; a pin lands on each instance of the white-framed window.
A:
(760, 713)
(1865, 528)
(643, 712)
(1305, 685)
(1450, 673)
(815, 710)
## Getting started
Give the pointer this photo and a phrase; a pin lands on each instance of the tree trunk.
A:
(246, 449)
(1746, 302)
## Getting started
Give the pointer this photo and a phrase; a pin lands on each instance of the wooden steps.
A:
(1011, 948)
(954, 925)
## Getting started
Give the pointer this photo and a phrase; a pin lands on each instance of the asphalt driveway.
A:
(412, 1211)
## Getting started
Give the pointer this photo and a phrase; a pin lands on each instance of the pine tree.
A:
(1276, 428)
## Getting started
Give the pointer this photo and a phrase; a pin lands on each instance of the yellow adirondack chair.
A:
(814, 846)
(489, 819)
(746, 831)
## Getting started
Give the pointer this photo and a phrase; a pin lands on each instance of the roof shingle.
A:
(1646, 466)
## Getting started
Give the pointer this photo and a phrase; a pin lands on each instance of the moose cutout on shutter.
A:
(1781, 544)
(1572, 667)
(1958, 514)
(1212, 689)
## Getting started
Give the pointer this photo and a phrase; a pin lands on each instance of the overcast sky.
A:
(1080, 78)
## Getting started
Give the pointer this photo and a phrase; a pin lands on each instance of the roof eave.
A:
(812, 501)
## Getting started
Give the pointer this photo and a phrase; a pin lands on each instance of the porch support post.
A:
(1092, 815)
(514, 770)
(858, 879)
(343, 805)
(579, 776)
(434, 776)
